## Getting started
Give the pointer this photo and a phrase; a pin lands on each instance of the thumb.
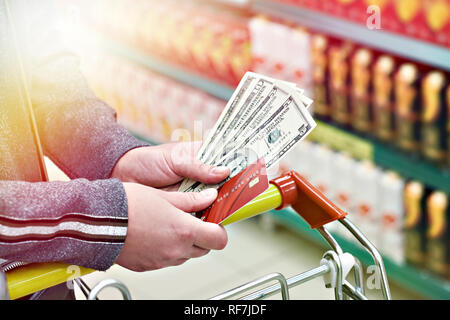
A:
(183, 162)
(191, 201)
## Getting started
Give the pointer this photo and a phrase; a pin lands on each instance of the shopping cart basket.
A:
(290, 189)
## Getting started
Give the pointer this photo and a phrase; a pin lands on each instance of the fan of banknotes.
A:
(264, 118)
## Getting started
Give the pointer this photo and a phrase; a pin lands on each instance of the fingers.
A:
(196, 252)
(205, 235)
(160, 234)
(173, 187)
(190, 201)
(209, 235)
(182, 160)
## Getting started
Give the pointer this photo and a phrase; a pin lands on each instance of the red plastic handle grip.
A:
(306, 200)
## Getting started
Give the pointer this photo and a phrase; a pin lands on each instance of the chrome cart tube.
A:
(338, 250)
(332, 255)
(331, 240)
(373, 252)
(109, 283)
(252, 284)
(352, 292)
(359, 276)
(291, 282)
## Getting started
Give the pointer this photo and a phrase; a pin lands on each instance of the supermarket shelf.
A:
(418, 281)
(212, 87)
(385, 156)
(411, 167)
(336, 138)
(403, 46)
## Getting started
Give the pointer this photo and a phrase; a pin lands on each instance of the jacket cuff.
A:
(78, 222)
(111, 199)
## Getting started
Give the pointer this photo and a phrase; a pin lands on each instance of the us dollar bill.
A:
(259, 92)
(252, 89)
(288, 125)
(250, 121)
(238, 160)
(268, 106)
(240, 94)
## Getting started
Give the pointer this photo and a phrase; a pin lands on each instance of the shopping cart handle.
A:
(306, 200)
(28, 279)
(290, 189)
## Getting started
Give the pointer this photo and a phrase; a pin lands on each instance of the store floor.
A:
(253, 250)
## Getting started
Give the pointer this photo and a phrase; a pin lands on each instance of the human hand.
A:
(162, 233)
(163, 166)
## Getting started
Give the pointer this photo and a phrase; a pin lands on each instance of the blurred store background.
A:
(378, 71)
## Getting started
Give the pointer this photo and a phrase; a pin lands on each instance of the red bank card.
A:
(237, 192)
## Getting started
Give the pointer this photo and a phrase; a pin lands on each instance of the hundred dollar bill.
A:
(268, 106)
(237, 160)
(252, 89)
(265, 109)
(252, 93)
(240, 98)
(272, 139)
(241, 109)
(279, 133)
(241, 93)
(260, 92)
(307, 102)
(253, 117)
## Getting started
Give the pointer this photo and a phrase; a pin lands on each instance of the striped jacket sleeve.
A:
(78, 222)
(82, 221)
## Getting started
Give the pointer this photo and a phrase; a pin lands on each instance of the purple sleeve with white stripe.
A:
(78, 222)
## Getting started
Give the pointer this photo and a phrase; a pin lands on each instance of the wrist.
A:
(123, 169)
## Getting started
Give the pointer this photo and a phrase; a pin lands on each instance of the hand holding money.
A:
(264, 118)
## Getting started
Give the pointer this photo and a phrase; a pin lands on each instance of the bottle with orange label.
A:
(365, 204)
(448, 125)
(241, 58)
(339, 82)
(322, 158)
(343, 185)
(437, 248)
(433, 117)
(360, 92)
(357, 11)
(306, 168)
(391, 211)
(339, 8)
(414, 197)
(407, 107)
(383, 98)
(320, 74)
(410, 15)
(298, 60)
(437, 17)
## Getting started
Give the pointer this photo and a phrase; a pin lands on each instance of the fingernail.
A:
(209, 193)
(219, 171)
